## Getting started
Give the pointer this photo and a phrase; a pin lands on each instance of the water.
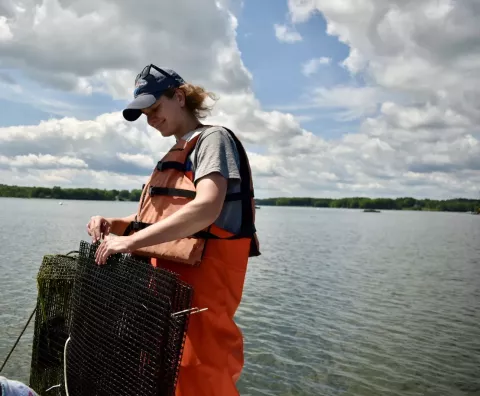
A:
(340, 303)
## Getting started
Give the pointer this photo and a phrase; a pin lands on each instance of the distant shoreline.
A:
(403, 203)
(462, 205)
(94, 194)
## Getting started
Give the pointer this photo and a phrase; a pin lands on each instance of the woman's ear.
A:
(180, 96)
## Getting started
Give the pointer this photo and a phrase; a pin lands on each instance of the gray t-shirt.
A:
(216, 151)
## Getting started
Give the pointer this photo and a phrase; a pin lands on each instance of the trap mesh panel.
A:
(124, 338)
(55, 280)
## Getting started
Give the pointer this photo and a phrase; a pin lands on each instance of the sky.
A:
(339, 98)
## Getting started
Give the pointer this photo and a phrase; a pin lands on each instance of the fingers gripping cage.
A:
(127, 326)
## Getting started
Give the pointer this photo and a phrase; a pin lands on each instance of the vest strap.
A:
(161, 166)
(240, 235)
(247, 227)
(177, 192)
(174, 192)
(135, 226)
(238, 196)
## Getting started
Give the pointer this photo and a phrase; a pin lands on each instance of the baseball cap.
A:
(150, 84)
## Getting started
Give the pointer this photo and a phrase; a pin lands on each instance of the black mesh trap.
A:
(126, 336)
(55, 281)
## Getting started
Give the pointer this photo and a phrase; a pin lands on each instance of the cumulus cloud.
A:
(418, 112)
(311, 66)
(344, 102)
(286, 34)
(40, 162)
(106, 143)
(99, 45)
(428, 48)
(420, 60)
(352, 102)
(5, 32)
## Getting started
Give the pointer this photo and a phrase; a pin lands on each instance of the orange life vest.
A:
(213, 262)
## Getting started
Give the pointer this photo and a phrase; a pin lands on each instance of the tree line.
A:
(406, 203)
(69, 193)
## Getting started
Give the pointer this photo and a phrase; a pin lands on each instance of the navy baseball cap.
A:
(150, 84)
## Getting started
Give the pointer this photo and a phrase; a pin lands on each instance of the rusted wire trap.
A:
(126, 322)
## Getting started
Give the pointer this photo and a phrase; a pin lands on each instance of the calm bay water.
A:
(340, 303)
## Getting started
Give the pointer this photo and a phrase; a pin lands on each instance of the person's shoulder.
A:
(217, 139)
(217, 130)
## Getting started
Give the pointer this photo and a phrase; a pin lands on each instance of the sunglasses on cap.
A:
(147, 71)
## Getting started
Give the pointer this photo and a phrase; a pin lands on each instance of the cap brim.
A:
(134, 109)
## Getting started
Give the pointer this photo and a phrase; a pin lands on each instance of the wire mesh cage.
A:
(55, 281)
(126, 320)
(126, 333)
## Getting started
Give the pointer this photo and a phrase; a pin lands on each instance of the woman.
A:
(196, 218)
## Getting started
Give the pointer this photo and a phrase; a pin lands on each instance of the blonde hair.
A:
(195, 98)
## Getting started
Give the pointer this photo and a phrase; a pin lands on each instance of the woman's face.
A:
(166, 114)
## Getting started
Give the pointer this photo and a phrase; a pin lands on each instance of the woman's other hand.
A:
(98, 228)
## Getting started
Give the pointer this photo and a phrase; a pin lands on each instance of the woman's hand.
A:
(111, 245)
(98, 227)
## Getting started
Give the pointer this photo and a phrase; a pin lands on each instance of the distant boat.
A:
(372, 211)
(60, 203)
(257, 207)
